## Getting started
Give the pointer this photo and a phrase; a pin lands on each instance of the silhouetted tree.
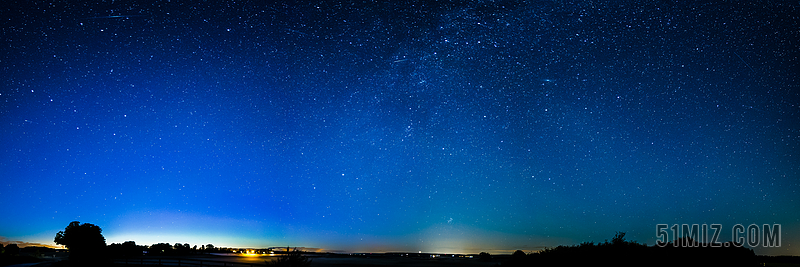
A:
(161, 249)
(85, 242)
(125, 250)
(484, 256)
(293, 258)
(619, 239)
(131, 249)
(181, 249)
(518, 258)
(12, 250)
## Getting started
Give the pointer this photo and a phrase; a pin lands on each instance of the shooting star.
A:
(745, 62)
(116, 17)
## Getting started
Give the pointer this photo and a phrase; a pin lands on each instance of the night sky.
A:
(398, 126)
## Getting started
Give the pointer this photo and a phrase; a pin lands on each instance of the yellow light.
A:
(250, 253)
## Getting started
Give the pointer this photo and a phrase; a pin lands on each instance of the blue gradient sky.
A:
(444, 127)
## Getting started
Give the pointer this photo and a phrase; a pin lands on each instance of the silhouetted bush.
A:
(619, 252)
(293, 258)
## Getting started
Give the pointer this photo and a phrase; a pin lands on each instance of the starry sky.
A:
(453, 127)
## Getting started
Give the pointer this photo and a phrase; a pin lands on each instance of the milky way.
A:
(445, 127)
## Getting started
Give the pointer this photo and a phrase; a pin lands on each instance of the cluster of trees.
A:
(87, 247)
(177, 249)
(125, 250)
(620, 252)
(86, 244)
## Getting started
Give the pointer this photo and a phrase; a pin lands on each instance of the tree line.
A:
(86, 244)
(620, 252)
(131, 249)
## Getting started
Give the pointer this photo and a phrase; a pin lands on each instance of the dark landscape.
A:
(82, 251)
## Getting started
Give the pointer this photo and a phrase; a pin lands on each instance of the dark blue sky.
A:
(440, 127)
